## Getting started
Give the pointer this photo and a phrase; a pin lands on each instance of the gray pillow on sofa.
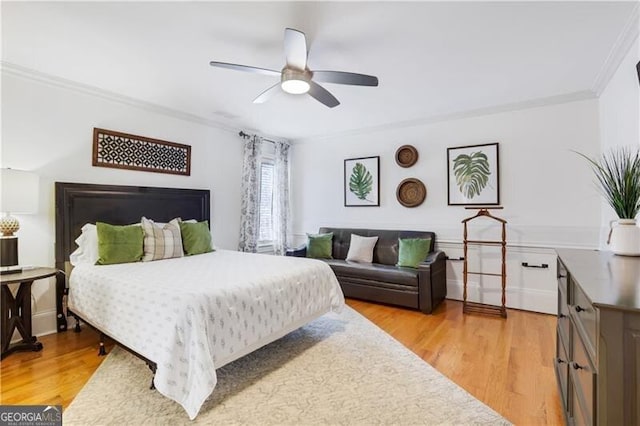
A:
(361, 248)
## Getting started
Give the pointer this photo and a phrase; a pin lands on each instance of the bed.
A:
(184, 316)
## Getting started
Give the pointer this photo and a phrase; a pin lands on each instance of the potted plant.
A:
(618, 175)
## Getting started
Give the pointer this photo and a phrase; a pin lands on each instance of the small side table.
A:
(16, 311)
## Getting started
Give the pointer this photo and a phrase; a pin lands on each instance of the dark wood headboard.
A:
(80, 203)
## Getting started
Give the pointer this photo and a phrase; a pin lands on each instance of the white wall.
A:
(619, 108)
(546, 189)
(48, 129)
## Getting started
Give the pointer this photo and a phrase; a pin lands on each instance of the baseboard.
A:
(42, 323)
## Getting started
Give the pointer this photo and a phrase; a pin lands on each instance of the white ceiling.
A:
(432, 59)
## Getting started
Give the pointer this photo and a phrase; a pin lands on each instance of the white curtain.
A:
(281, 213)
(250, 205)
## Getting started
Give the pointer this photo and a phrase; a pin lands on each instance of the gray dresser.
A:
(597, 360)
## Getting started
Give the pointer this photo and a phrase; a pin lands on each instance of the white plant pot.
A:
(625, 272)
(624, 237)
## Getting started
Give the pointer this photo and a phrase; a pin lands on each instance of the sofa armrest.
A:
(298, 251)
(434, 256)
(432, 281)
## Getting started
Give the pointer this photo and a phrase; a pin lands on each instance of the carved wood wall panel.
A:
(132, 152)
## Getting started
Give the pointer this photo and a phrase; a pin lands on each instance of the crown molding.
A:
(55, 81)
(620, 48)
(528, 104)
(8, 68)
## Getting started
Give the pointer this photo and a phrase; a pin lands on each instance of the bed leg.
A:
(152, 367)
(102, 351)
(77, 328)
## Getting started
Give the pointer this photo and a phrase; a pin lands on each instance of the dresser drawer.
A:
(584, 382)
(562, 370)
(585, 318)
(578, 414)
(564, 323)
(562, 277)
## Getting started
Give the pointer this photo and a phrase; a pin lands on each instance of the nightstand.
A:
(16, 311)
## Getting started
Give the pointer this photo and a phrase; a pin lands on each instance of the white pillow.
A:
(361, 248)
(87, 251)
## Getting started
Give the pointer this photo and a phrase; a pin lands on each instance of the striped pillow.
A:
(161, 240)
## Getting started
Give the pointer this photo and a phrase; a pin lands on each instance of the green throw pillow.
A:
(119, 244)
(413, 251)
(319, 245)
(196, 238)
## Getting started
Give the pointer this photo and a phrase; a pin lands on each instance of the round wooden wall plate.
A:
(406, 156)
(411, 192)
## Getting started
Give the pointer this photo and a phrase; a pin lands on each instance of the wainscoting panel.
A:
(531, 276)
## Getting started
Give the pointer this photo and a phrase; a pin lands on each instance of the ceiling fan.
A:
(296, 78)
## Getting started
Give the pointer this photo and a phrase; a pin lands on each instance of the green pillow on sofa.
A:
(412, 251)
(119, 244)
(319, 245)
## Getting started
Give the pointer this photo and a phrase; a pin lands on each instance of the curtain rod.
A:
(244, 135)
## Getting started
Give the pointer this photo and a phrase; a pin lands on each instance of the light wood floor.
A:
(507, 364)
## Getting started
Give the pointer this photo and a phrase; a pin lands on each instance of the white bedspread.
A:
(194, 314)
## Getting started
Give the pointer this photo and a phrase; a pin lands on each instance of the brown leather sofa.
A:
(421, 288)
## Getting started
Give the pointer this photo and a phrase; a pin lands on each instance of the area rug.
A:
(339, 369)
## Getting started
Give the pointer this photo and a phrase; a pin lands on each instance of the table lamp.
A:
(18, 194)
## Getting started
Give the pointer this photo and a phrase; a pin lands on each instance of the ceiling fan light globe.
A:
(295, 87)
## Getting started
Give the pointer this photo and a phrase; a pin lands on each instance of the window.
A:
(265, 218)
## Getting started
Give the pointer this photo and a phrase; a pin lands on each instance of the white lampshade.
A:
(19, 191)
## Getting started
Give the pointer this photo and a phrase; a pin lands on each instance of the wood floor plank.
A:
(506, 363)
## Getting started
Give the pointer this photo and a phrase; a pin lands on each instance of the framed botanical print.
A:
(362, 182)
(473, 175)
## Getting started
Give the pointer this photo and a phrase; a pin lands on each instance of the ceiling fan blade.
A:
(295, 48)
(244, 68)
(267, 94)
(340, 77)
(322, 95)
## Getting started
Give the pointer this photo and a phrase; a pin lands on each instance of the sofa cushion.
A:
(413, 251)
(361, 248)
(375, 272)
(319, 245)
